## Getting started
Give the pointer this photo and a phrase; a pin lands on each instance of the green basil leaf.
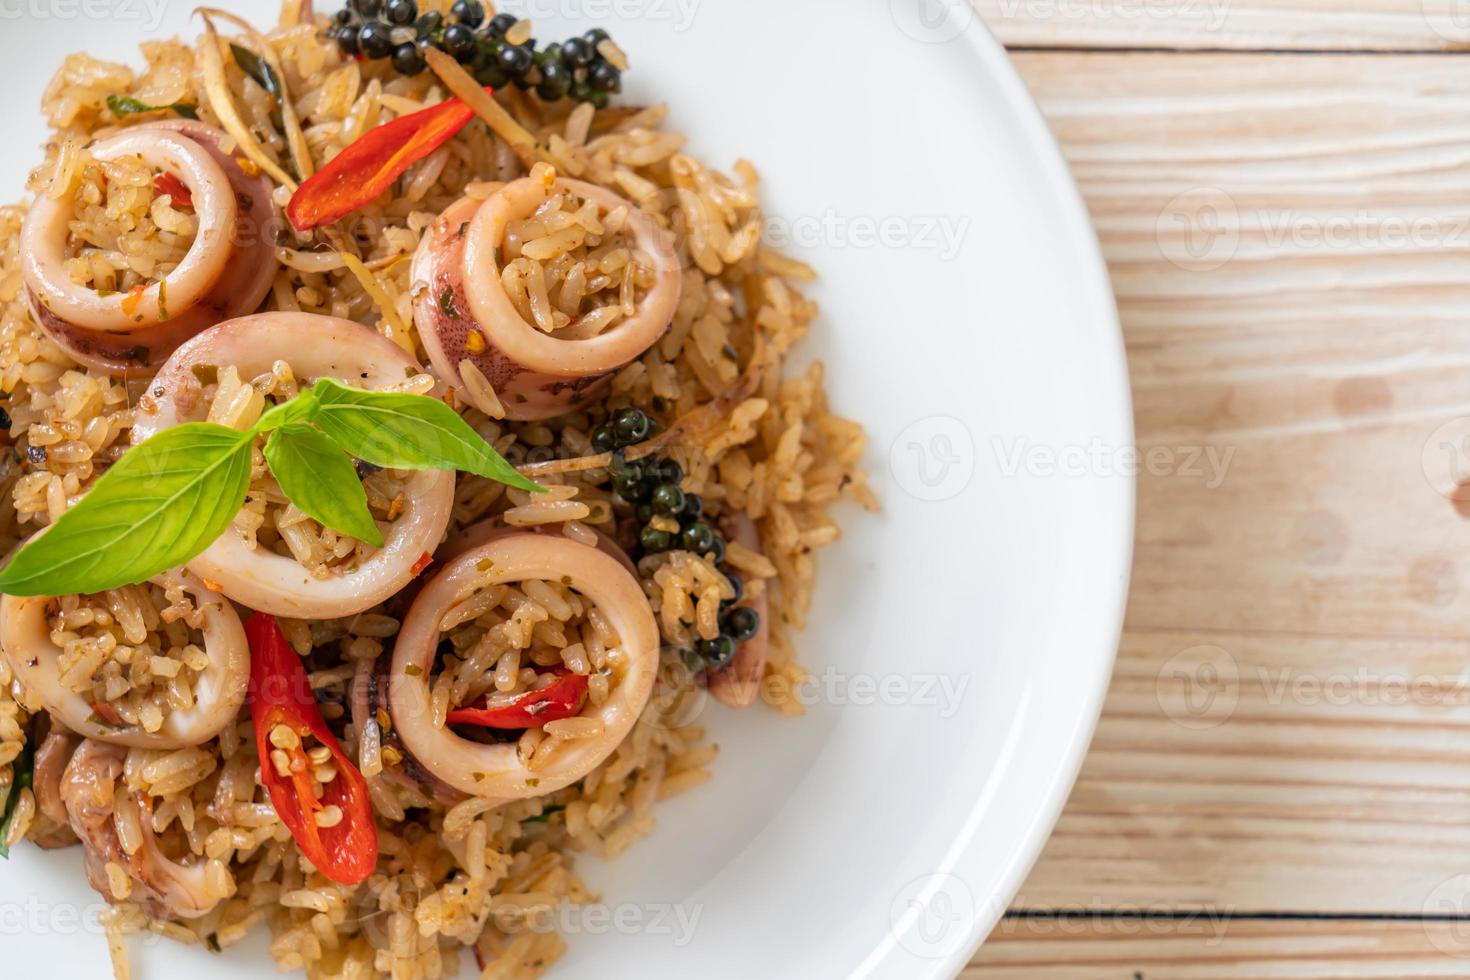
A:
(318, 477)
(407, 432)
(301, 407)
(22, 777)
(260, 70)
(126, 105)
(158, 507)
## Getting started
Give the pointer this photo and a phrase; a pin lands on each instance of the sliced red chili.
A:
(425, 560)
(368, 167)
(178, 192)
(280, 694)
(560, 699)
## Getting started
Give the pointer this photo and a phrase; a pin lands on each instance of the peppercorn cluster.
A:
(651, 487)
(396, 30)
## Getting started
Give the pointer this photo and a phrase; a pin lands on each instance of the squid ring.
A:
(535, 375)
(26, 639)
(315, 346)
(496, 772)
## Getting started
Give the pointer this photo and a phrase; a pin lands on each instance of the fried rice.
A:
(459, 881)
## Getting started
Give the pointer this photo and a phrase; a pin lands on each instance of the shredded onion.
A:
(380, 297)
(464, 86)
(295, 139)
(218, 90)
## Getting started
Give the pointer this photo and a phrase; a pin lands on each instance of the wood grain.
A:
(1144, 948)
(1302, 25)
(1288, 241)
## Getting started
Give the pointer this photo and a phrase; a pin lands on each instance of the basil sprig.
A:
(170, 497)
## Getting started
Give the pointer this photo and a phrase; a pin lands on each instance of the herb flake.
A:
(23, 771)
(260, 71)
(126, 105)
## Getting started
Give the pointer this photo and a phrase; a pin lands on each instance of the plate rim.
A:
(1097, 292)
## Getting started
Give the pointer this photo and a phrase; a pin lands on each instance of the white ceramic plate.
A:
(963, 639)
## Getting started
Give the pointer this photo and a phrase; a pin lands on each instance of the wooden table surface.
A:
(1280, 786)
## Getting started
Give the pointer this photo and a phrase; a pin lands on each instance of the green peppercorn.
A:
(501, 23)
(605, 78)
(698, 537)
(603, 439)
(693, 506)
(460, 42)
(402, 12)
(717, 652)
(738, 584)
(654, 540)
(555, 82)
(408, 59)
(346, 38)
(429, 23)
(516, 60)
(632, 488)
(717, 549)
(576, 53)
(667, 499)
(471, 13)
(599, 100)
(631, 426)
(375, 40)
(742, 624)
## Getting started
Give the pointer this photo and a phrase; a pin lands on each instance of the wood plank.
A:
(1289, 260)
(1303, 25)
(1138, 945)
(1317, 585)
